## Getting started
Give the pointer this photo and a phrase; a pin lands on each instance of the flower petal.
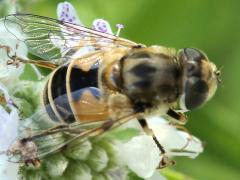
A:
(8, 122)
(173, 139)
(102, 26)
(8, 170)
(141, 155)
(66, 12)
(193, 149)
(8, 127)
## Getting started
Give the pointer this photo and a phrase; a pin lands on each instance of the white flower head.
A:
(142, 155)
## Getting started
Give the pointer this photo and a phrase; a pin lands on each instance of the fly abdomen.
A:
(72, 94)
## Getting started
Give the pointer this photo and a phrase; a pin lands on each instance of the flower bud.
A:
(77, 170)
(56, 165)
(78, 149)
(98, 159)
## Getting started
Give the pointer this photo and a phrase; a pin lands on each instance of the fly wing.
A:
(57, 41)
(40, 141)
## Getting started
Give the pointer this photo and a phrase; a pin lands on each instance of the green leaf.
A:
(174, 175)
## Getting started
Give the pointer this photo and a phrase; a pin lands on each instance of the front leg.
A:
(165, 160)
(180, 118)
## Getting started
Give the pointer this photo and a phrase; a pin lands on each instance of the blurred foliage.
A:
(212, 26)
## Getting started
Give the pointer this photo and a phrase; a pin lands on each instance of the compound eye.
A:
(196, 92)
(191, 54)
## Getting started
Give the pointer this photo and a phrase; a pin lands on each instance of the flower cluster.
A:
(108, 157)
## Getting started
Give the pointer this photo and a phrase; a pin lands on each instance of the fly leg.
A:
(15, 61)
(179, 117)
(165, 160)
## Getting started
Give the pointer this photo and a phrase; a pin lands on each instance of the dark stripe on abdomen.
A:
(80, 79)
(59, 95)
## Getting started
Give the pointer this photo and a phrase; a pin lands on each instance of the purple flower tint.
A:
(67, 13)
(102, 26)
(10, 102)
(120, 26)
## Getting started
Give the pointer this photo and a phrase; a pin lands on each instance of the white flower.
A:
(8, 122)
(7, 39)
(8, 133)
(16, 48)
(8, 127)
(8, 170)
(142, 155)
(175, 142)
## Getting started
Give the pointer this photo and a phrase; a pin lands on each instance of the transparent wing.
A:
(51, 39)
(40, 143)
(40, 137)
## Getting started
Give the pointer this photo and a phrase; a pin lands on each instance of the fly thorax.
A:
(149, 78)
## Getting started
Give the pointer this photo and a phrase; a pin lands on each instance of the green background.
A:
(214, 27)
